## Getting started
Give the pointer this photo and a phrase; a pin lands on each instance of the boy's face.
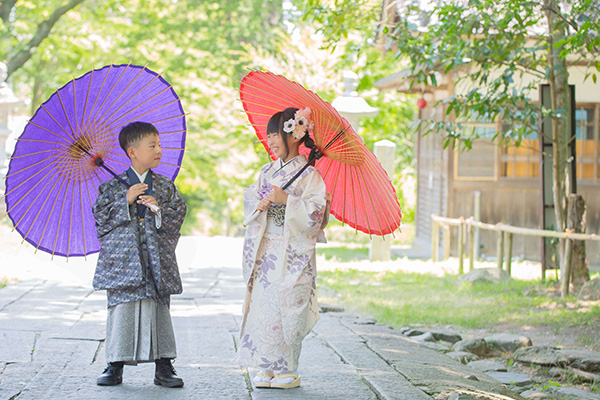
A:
(147, 153)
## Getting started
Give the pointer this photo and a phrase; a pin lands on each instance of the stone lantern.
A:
(8, 101)
(350, 105)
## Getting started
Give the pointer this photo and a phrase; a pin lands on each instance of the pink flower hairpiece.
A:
(300, 125)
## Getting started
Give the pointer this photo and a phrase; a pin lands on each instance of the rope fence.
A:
(466, 231)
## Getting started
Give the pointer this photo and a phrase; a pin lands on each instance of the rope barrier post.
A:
(446, 228)
(461, 247)
(435, 239)
(500, 249)
(509, 241)
(471, 245)
(565, 273)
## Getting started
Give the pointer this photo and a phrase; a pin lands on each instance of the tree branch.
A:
(5, 8)
(572, 24)
(42, 32)
(559, 15)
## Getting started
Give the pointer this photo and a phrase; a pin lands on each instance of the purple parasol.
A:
(55, 171)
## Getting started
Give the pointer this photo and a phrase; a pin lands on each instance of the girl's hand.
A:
(134, 191)
(263, 205)
(277, 195)
(149, 202)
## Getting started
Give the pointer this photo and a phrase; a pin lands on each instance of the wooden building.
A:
(507, 178)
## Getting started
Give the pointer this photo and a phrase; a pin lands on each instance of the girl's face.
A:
(275, 142)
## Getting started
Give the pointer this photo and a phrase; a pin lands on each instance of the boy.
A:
(138, 228)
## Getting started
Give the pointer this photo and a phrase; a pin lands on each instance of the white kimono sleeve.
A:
(304, 213)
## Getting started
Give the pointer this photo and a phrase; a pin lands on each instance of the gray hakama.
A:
(139, 331)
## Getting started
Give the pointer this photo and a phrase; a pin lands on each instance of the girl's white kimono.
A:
(281, 306)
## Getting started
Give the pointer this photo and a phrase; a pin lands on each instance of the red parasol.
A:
(362, 193)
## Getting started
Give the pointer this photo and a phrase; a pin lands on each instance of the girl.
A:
(279, 268)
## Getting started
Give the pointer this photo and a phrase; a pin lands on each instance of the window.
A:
(478, 163)
(520, 161)
(586, 146)
(523, 161)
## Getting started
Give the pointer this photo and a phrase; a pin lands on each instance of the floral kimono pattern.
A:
(279, 268)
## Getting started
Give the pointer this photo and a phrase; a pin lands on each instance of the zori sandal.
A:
(263, 379)
(285, 381)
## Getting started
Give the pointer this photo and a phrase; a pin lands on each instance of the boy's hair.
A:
(132, 133)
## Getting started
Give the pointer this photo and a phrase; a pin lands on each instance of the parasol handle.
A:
(315, 154)
(100, 162)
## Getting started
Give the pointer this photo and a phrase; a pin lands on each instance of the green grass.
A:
(399, 299)
(344, 254)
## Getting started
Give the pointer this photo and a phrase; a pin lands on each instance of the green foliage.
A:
(486, 44)
(202, 48)
(199, 46)
(399, 299)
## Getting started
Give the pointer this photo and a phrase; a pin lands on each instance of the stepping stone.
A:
(510, 378)
(463, 356)
(475, 346)
(542, 355)
(570, 393)
(325, 308)
(535, 395)
(584, 360)
(507, 342)
(446, 336)
(485, 366)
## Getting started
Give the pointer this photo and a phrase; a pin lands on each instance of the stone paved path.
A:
(52, 327)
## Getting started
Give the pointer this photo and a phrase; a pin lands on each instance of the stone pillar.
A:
(385, 151)
(8, 101)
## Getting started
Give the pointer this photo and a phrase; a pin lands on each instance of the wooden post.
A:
(446, 241)
(576, 221)
(509, 240)
(500, 251)
(565, 278)
(461, 248)
(435, 240)
(471, 247)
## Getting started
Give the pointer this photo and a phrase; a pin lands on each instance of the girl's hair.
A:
(275, 125)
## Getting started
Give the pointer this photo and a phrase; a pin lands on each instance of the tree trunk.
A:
(42, 32)
(558, 78)
(576, 221)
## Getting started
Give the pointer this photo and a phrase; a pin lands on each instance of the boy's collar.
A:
(141, 177)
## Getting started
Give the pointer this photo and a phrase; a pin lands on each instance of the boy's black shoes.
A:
(165, 374)
(112, 375)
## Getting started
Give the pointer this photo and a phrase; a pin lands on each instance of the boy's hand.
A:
(134, 191)
(277, 195)
(149, 202)
(263, 205)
